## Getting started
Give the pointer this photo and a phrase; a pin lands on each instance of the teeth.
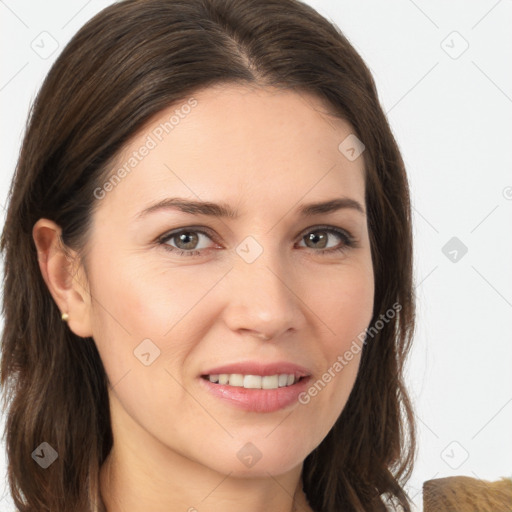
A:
(251, 382)
(270, 382)
(254, 381)
(236, 379)
(283, 380)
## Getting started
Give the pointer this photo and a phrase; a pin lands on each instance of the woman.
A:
(208, 270)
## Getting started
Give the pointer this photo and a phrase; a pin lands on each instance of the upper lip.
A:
(259, 368)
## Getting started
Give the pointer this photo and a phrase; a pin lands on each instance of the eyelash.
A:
(348, 240)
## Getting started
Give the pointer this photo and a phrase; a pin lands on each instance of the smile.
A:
(254, 381)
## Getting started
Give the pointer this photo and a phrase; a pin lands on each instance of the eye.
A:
(188, 241)
(185, 241)
(318, 238)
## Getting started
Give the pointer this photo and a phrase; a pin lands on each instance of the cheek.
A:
(139, 317)
(346, 310)
(155, 301)
(140, 301)
(142, 315)
(343, 300)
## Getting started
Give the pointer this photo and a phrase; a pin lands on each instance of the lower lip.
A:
(257, 400)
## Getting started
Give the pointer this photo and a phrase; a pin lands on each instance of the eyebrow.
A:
(223, 210)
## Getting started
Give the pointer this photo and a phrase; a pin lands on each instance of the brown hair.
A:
(127, 64)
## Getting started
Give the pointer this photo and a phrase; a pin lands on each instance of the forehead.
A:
(236, 144)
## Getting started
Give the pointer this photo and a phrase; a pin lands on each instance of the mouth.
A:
(239, 380)
(256, 387)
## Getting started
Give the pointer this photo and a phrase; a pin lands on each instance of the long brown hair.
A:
(127, 64)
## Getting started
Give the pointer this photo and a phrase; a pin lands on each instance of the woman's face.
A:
(181, 293)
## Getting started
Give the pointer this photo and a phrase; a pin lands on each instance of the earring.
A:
(65, 317)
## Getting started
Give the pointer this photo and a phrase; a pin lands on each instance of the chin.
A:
(253, 461)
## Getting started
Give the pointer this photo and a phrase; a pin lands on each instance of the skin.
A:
(264, 152)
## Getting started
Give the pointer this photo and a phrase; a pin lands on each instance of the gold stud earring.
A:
(65, 317)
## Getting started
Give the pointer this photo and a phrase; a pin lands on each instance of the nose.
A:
(262, 300)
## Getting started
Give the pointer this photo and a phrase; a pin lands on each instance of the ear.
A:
(64, 276)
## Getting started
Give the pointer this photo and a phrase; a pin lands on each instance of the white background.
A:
(450, 109)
